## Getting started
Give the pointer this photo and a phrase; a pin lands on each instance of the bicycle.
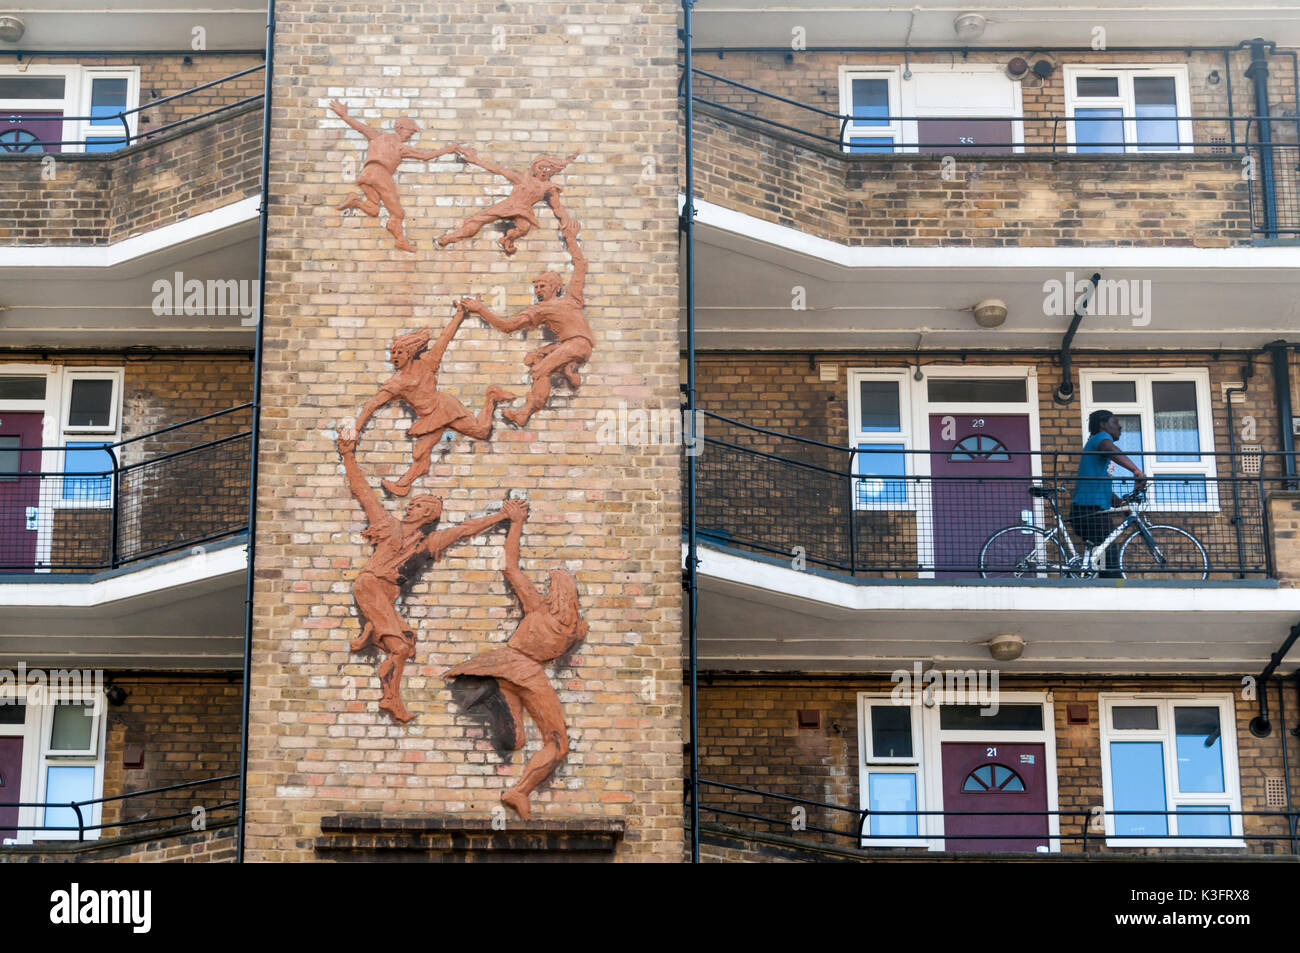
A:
(1026, 550)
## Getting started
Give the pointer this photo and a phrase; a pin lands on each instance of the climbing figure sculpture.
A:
(384, 153)
(551, 627)
(416, 383)
(563, 315)
(401, 546)
(530, 187)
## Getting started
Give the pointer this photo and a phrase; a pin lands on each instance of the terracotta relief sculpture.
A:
(530, 187)
(401, 545)
(562, 315)
(383, 155)
(416, 383)
(551, 626)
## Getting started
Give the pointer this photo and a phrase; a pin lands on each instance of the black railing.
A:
(89, 505)
(127, 137)
(1270, 168)
(822, 822)
(875, 511)
(84, 811)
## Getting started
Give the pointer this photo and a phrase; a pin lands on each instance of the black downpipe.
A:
(1260, 725)
(692, 558)
(256, 427)
(1278, 352)
(1258, 73)
(1286, 764)
(1065, 392)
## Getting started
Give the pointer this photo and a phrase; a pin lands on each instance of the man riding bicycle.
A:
(1093, 494)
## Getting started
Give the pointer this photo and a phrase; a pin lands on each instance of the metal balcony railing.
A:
(1266, 146)
(88, 506)
(882, 510)
(130, 135)
(822, 822)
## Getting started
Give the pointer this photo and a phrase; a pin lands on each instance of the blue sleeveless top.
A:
(1093, 485)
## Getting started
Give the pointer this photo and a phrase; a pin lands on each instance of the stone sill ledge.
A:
(431, 834)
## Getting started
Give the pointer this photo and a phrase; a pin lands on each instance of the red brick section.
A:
(749, 736)
(102, 198)
(597, 78)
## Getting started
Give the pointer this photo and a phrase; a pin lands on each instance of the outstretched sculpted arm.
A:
(357, 481)
(440, 541)
(524, 589)
(524, 319)
(342, 112)
(579, 277)
(470, 156)
(410, 153)
(368, 409)
(435, 353)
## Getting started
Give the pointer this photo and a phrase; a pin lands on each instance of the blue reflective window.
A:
(1178, 488)
(872, 144)
(1155, 102)
(871, 102)
(1205, 820)
(65, 783)
(1137, 778)
(87, 458)
(1097, 125)
(887, 460)
(107, 99)
(105, 145)
(1198, 743)
(892, 792)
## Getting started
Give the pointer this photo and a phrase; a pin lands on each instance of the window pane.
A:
(871, 102)
(71, 730)
(1155, 97)
(107, 99)
(1129, 442)
(1095, 126)
(1134, 718)
(993, 390)
(892, 792)
(9, 457)
(87, 458)
(91, 403)
(1007, 718)
(1176, 423)
(11, 714)
(882, 460)
(872, 144)
(1204, 820)
(1199, 745)
(1114, 392)
(1096, 86)
(1137, 778)
(1179, 488)
(31, 87)
(65, 784)
(22, 388)
(891, 731)
(879, 405)
(105, 145)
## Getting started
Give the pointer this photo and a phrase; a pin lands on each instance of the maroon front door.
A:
(997, 777)
(11, 776)
(31, 131)
(19, 492)
(978, 462)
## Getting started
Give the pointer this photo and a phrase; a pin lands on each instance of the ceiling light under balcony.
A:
(11, 29)
(969, 26)
(990, 313)
(1006, 648)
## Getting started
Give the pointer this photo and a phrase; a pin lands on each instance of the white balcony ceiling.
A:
(137, 25)
(1042, 23)
(756, 615)
(908, 297)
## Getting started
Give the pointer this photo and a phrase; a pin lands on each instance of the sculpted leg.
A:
(544, 705)
(400, 649)
(480, 427)
(367, 202)
(507, 241)
(574, 351)
(419, 465)
(396, 215)
(470, 228)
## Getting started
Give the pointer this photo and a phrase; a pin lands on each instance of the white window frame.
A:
(110, 433)
(869, 764)
(76, 99)
(905, 435)
(1144, 408)
(894, 129)
(1164, 733)
(1124, 101)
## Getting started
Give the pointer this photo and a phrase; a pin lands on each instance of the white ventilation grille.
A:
(1275, 792)
(1251, 459)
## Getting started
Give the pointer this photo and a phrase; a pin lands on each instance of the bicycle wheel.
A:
(1172, 553)
(1023, 552)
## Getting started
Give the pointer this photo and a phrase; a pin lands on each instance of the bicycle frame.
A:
(1134, 518)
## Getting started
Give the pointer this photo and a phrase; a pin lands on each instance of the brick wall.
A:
(99, 199)
(596, 78)
(749, 736)
(176, 845)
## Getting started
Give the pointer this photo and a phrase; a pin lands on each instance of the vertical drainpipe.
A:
(688, 226)
(1280, 353)
(254, 441)
(1258, 73)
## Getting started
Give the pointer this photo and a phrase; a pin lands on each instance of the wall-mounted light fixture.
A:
(12, 29)
(990, 313)
(1006, 648)
(969, 26)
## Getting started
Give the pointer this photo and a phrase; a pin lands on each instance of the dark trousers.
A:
(1093, 524)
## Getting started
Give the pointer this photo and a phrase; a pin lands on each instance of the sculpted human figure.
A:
(401, 545)
(416, 383)
(530, 187)
(385, 152)
(551, 627)
(563, 315)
